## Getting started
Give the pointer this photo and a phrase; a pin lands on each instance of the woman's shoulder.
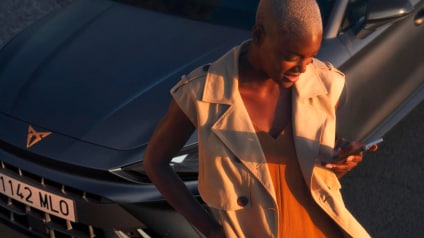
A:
(332, 78)
(327, 71)
(330, 75)
(193, 80)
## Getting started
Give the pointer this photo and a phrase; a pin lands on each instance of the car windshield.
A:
(234, 13)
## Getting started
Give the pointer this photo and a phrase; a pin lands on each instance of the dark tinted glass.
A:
(235, 13)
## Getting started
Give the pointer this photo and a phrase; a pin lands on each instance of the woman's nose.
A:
(302, 64)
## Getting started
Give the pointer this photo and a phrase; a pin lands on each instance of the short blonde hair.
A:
(295, 17)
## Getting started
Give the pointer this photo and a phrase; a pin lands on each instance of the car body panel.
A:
(384, 74)
(97, 98)
(384, 79)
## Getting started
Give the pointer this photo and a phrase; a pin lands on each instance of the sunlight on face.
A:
(284, 58)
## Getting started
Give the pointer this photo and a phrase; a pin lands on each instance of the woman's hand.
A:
(343, 148)
(342, 167)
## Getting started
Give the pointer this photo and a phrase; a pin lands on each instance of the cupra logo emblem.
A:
(34, 136)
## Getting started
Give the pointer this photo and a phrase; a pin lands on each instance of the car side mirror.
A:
(380, 13)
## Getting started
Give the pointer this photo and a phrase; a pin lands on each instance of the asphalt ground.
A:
(385, 192)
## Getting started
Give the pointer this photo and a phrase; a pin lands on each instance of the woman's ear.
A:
(258, 32)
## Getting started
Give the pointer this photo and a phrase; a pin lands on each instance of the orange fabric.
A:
(299, 216)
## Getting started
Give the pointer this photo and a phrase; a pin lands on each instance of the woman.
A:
(265, 118)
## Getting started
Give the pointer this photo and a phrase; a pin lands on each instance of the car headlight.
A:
(185, 164)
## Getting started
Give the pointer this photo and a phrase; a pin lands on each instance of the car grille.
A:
(40, 223)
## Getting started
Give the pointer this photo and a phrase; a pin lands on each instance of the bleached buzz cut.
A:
(294, 17)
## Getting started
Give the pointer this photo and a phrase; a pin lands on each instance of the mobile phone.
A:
(353, 152)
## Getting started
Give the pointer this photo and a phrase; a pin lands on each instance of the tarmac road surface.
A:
(385, 192)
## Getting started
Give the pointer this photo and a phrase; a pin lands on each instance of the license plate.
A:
(37, 198)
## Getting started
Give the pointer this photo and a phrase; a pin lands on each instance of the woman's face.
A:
(284, 58)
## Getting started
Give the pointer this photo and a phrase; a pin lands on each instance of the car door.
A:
(379, 46)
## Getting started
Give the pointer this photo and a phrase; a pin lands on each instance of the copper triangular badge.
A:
(34, 137)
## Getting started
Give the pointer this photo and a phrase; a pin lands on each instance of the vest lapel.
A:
(236, 131)
(234, 127)
(308, 119)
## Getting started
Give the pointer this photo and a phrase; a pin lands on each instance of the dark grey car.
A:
(82, 90)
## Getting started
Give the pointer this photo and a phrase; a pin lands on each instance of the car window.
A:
(355, 11)
(234, 13)
(325, 7)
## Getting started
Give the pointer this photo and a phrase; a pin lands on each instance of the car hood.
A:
(100, 72)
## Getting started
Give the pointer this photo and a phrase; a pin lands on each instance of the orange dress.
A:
(299, 215)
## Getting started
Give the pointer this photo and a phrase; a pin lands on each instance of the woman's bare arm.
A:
(170, 135)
